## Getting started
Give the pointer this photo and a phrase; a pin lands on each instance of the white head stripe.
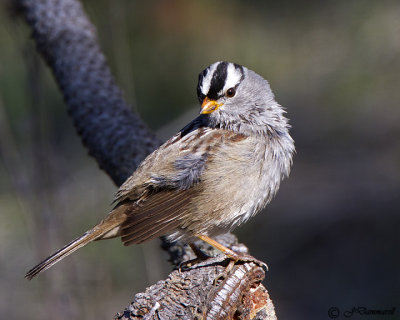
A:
(206, 83)
(233, 77)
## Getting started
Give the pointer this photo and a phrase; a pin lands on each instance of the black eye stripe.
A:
(218, 80)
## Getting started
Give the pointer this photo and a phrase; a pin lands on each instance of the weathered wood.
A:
(205, 291)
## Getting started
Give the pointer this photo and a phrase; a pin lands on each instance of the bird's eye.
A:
(230, 92)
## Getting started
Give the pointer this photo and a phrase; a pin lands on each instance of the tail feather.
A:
(100, 230)
(60, 254)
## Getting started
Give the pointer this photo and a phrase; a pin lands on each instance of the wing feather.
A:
(158, 215)
(156, 231)
(165, 188)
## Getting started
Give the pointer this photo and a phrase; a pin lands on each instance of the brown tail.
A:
(113, 220)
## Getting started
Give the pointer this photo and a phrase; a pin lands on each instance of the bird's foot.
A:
(237, 257)
(204, 259)
(234, 259)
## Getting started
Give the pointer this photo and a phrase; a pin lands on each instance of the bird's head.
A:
(236, 98)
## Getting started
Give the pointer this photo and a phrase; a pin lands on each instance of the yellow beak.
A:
(209, 106)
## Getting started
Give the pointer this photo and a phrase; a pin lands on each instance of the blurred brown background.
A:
(330, 237)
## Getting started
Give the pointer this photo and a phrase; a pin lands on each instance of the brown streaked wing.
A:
(163, 211)
(160, 214)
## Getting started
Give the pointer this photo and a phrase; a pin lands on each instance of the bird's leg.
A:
(228, 252)
(234, 256)
(200, 257)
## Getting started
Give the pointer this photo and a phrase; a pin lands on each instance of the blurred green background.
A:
(330, 237)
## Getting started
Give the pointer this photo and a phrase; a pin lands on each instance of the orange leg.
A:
(234, 256)
(228, 252)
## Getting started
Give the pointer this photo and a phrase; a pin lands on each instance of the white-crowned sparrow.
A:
(217, 172)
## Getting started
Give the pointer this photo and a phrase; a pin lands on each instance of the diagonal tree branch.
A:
(118, 139)
(115, 136)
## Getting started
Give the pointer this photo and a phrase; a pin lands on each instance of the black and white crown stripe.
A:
(217, 78)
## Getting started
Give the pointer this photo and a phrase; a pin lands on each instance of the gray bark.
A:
(114, 135)
(118, 139)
